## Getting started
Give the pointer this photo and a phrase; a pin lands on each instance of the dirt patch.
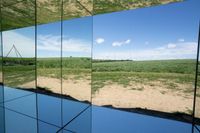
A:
(78, 89)
(28, 85)
(151, 96)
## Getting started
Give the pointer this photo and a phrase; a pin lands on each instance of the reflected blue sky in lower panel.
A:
(49, 109)
(196, 130)
(106, 120)
(46, 128)
(25, 105)
(17, 123)
(2, 120)
(82, 124)
(71, 109)
(58, 111)
(12, 93)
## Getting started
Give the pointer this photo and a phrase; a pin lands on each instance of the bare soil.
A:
(152, 96)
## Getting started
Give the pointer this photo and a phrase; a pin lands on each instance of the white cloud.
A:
(127, 41)
(171, 46)
(25, 45)
(181, 40)
(99, 40)
(183, 50)
(120, 43)
(53, 43)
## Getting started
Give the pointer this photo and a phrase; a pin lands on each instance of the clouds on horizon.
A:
(49, 43)
(53, 43)
(120, 43)
(177, 50)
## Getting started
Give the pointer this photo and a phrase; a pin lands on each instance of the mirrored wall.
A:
(146, 63)
(19, 45)
(58, 59)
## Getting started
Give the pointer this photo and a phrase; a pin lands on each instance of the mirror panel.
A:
(137, 60)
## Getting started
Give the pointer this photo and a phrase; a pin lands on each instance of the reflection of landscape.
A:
(164, 85)
(104, 6)
(197, 107)
(19, 72)
(75, 73)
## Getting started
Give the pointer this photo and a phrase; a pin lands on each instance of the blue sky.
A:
(161, 32)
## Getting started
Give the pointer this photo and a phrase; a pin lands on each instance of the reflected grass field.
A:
(113, 82)
(169, 72)
(120, 72)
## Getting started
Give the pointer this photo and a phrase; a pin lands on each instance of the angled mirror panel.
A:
(197, 98)
(107, 6)
(45, 127)
(19, 58)
(18, 14)
(139, 59)
(48, 11)
(49, 58)
(19, 45)
(9, 2)
(82, 123)
(76, 58)
(1, 57)
(76, 9)
(2, 120)
(14, 122)
(49, 109)
(126, 122)
(87, 4)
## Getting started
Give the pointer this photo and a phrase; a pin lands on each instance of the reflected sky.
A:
(161, 32)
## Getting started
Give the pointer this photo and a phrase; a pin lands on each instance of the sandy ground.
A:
(150, 97)
(155, 97)
(78, 89)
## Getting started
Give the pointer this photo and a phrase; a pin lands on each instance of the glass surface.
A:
(17, 123)
(25, 105)
(18, 14)
(2, 120)
(12, 93)
(1, 75)
(9, 2)
(82, 123)
(19, 46)
(196, 130)
(76, 59)
(106, 6)
(46, 128)
(197, 104)
(146, 62)
(1, 57)
(49, 58)
(106, 120)
(71, 109)
(18, 60)
(76, 9)
(48, 11)
(49, 109)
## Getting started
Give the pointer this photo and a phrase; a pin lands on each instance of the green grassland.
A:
(51, 67)
(169, 72)
(17, 71)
